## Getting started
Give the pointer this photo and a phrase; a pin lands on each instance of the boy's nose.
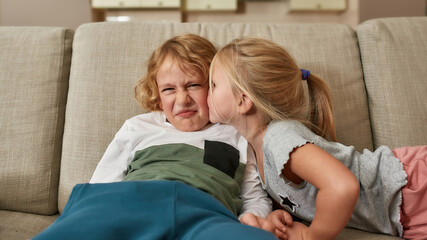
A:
(183, 98)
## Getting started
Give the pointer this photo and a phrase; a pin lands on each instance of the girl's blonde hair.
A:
(191, 52)
(273, 81)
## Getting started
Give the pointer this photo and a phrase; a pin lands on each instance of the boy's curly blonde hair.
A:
(192, 52)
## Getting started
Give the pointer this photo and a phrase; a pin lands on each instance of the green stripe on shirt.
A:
(184, 163)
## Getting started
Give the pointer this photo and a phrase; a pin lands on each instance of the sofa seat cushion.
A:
(17, 225)
(354, 234)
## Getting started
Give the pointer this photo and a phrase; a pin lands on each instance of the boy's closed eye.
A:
(167, 90)
(194, 85)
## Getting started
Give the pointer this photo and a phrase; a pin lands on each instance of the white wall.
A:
(72, 13)
(370, 9)
(62, 13)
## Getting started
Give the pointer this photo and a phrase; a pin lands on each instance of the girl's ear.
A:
(245, 104)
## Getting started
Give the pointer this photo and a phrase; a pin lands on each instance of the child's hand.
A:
(255, 221)
(280, 219)
(298, 231)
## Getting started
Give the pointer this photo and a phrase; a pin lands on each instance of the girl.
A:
(257, 87)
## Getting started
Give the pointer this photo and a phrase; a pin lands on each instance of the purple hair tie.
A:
(305, 74)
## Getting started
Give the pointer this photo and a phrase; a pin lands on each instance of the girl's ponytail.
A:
(320, 107)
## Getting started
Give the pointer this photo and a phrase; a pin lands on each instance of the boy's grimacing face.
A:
(183, 97)
(221, 100)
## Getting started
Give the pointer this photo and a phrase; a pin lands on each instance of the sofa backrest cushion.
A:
(34, 70)
(394, 57)
(109, 58)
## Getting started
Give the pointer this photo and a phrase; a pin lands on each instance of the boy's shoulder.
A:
(147, 120)
(149, 116)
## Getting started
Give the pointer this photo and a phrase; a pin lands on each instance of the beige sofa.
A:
(64, 94)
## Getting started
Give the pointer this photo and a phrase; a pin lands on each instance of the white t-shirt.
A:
(152, 129)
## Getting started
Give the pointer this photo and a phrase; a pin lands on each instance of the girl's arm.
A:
(337, 195)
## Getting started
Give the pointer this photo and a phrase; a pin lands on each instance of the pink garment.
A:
(413, 210)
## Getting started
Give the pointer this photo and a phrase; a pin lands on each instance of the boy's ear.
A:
(245, 104)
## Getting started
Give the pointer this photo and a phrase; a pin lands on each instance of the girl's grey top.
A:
(381, 177)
